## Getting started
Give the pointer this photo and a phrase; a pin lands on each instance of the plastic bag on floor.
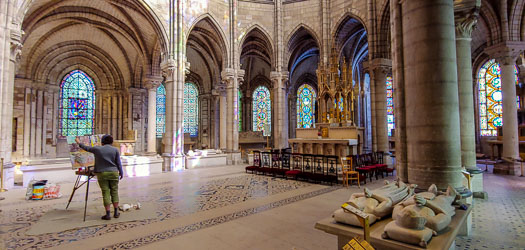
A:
(52, 191)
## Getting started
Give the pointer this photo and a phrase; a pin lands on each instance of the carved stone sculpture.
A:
(376, 203)
(419, 217)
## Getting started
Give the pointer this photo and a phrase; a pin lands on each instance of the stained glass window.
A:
(490, 98)
(191, 109)
(305, 106)
(239, 98)
(77, 104)
(262, 113)
(161, 110)
(390, 105)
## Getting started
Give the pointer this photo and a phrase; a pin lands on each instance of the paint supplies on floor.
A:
(38, 185)
(40, 190)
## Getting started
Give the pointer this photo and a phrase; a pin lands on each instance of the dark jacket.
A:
(107, 158)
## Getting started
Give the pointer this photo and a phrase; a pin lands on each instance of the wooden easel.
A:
(78, 183)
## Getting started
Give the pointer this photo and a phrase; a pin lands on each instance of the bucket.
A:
(38, 192)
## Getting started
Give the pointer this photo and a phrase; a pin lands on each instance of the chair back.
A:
(308, 163)
(266, 160)
(285, 160)
(379, 157)
(297, 161)
(346, 164)
(320, 164)
(257, 158)
(333, 165)
(276, 159)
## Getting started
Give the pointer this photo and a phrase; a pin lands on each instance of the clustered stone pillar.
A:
(281, 117)
(465, 23)
(174, 136)
(152, 117)
(431, 93)
(232, 78)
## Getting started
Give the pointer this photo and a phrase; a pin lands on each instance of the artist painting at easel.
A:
(108, 170)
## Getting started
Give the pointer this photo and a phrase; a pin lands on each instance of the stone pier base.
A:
(507, 168)
(234, 158)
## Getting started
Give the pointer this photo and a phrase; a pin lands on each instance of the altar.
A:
(340, 141)
(333, 130)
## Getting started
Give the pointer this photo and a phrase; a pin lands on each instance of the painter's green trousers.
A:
(108, 182)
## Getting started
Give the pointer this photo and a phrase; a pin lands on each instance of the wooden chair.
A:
(297, 166)
(266, 166)
(276, 163)
(256, 162)
(332, 168)
(349, 173)
(285, 164)
(308, 167)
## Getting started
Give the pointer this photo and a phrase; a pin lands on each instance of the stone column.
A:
(280, 132)
(399, 90)
(230, 77)
(152, 117)
(510, 119)
(465, 23)
(173, 137)
(222, 119)
(431, 94)
(380, 68)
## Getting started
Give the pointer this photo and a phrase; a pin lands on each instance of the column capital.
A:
(153, 82)
(168, 68)
(506, 53)
(384, 65)
(230, 74)
(16, 45)
(276, 75)
(466, 17)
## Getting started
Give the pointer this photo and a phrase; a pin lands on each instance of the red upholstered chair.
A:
(256, 162)
(285, 164)
(266, 166)
(296, 167)
(332, 169)
(308, 167)
(379, 164)
(361, 166)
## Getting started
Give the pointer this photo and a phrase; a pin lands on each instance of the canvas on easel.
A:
(79, 157)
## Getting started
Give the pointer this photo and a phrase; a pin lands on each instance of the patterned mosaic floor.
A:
(171, 202)
(499, 221)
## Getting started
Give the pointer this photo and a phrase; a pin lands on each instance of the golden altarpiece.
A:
(335, 132)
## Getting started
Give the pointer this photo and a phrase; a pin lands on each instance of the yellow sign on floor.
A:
(354, 244)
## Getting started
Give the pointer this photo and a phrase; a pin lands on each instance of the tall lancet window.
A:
(161, 110)
(390, 105)
(191, 109)
(305, 106)
(490, 98)
(77, 104)
(262, 110)
(239, 111)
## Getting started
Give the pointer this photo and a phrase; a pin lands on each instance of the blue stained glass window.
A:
(77, 104)
(191, 109)
(239, 97)
(490, 97)
(305, 106)
(161, 110)
(390, 105)
(262, 111)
